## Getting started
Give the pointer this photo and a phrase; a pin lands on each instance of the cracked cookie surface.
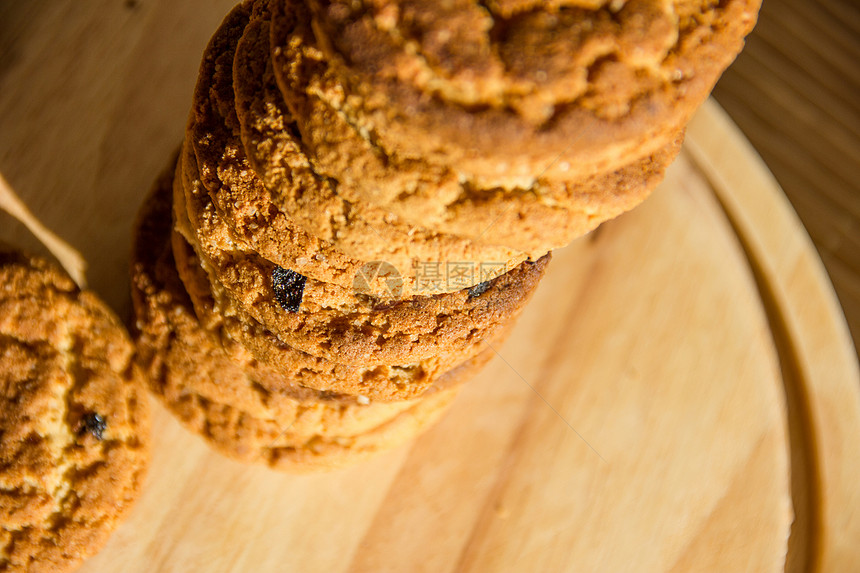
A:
(499, 89)
(74, 419)
(359, 231)
(536, 216)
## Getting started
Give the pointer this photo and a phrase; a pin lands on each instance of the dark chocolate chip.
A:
(479, 289)
(94, 424)
(289, 287)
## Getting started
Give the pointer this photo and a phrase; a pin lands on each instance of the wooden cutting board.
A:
(680, 395)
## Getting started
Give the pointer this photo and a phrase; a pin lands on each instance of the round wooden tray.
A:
(682, 393)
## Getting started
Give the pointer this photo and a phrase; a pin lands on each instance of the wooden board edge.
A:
(818, 357)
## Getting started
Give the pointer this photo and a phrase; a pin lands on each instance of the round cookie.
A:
(358, 230)
(206, 229)
(382, 383)
(238, 265)
(254, 221)
(377, 383)
(402, 332)
(536, 218)
(74, 419)
(307, 431)
(498, 92)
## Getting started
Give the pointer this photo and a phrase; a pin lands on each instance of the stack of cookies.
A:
(368, 192)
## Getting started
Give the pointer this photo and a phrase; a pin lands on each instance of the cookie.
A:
(255, 221)
(499, 92)
(240, 436)
(366, 334)
(358, 230)
(74, 419)
(301, 430)
(402, 332)
(541, 216)
(376, 383)
(204, 226)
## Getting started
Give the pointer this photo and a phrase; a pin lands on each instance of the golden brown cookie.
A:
(376, 383)
(204, 226)
(254, 220)
(299, 430)
(535, 218)
(243, 437)
(74, 419)
(358, 230)
(214, 365)
(402, 332)
(498, 91)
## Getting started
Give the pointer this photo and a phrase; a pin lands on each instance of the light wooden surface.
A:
(795, 93)
(643, 415)
(818, 361)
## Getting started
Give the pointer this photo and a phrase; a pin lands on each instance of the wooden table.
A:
(795, 93)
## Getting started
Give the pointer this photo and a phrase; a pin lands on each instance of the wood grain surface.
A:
(817, 359)
(795, 93)
(645, 413)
